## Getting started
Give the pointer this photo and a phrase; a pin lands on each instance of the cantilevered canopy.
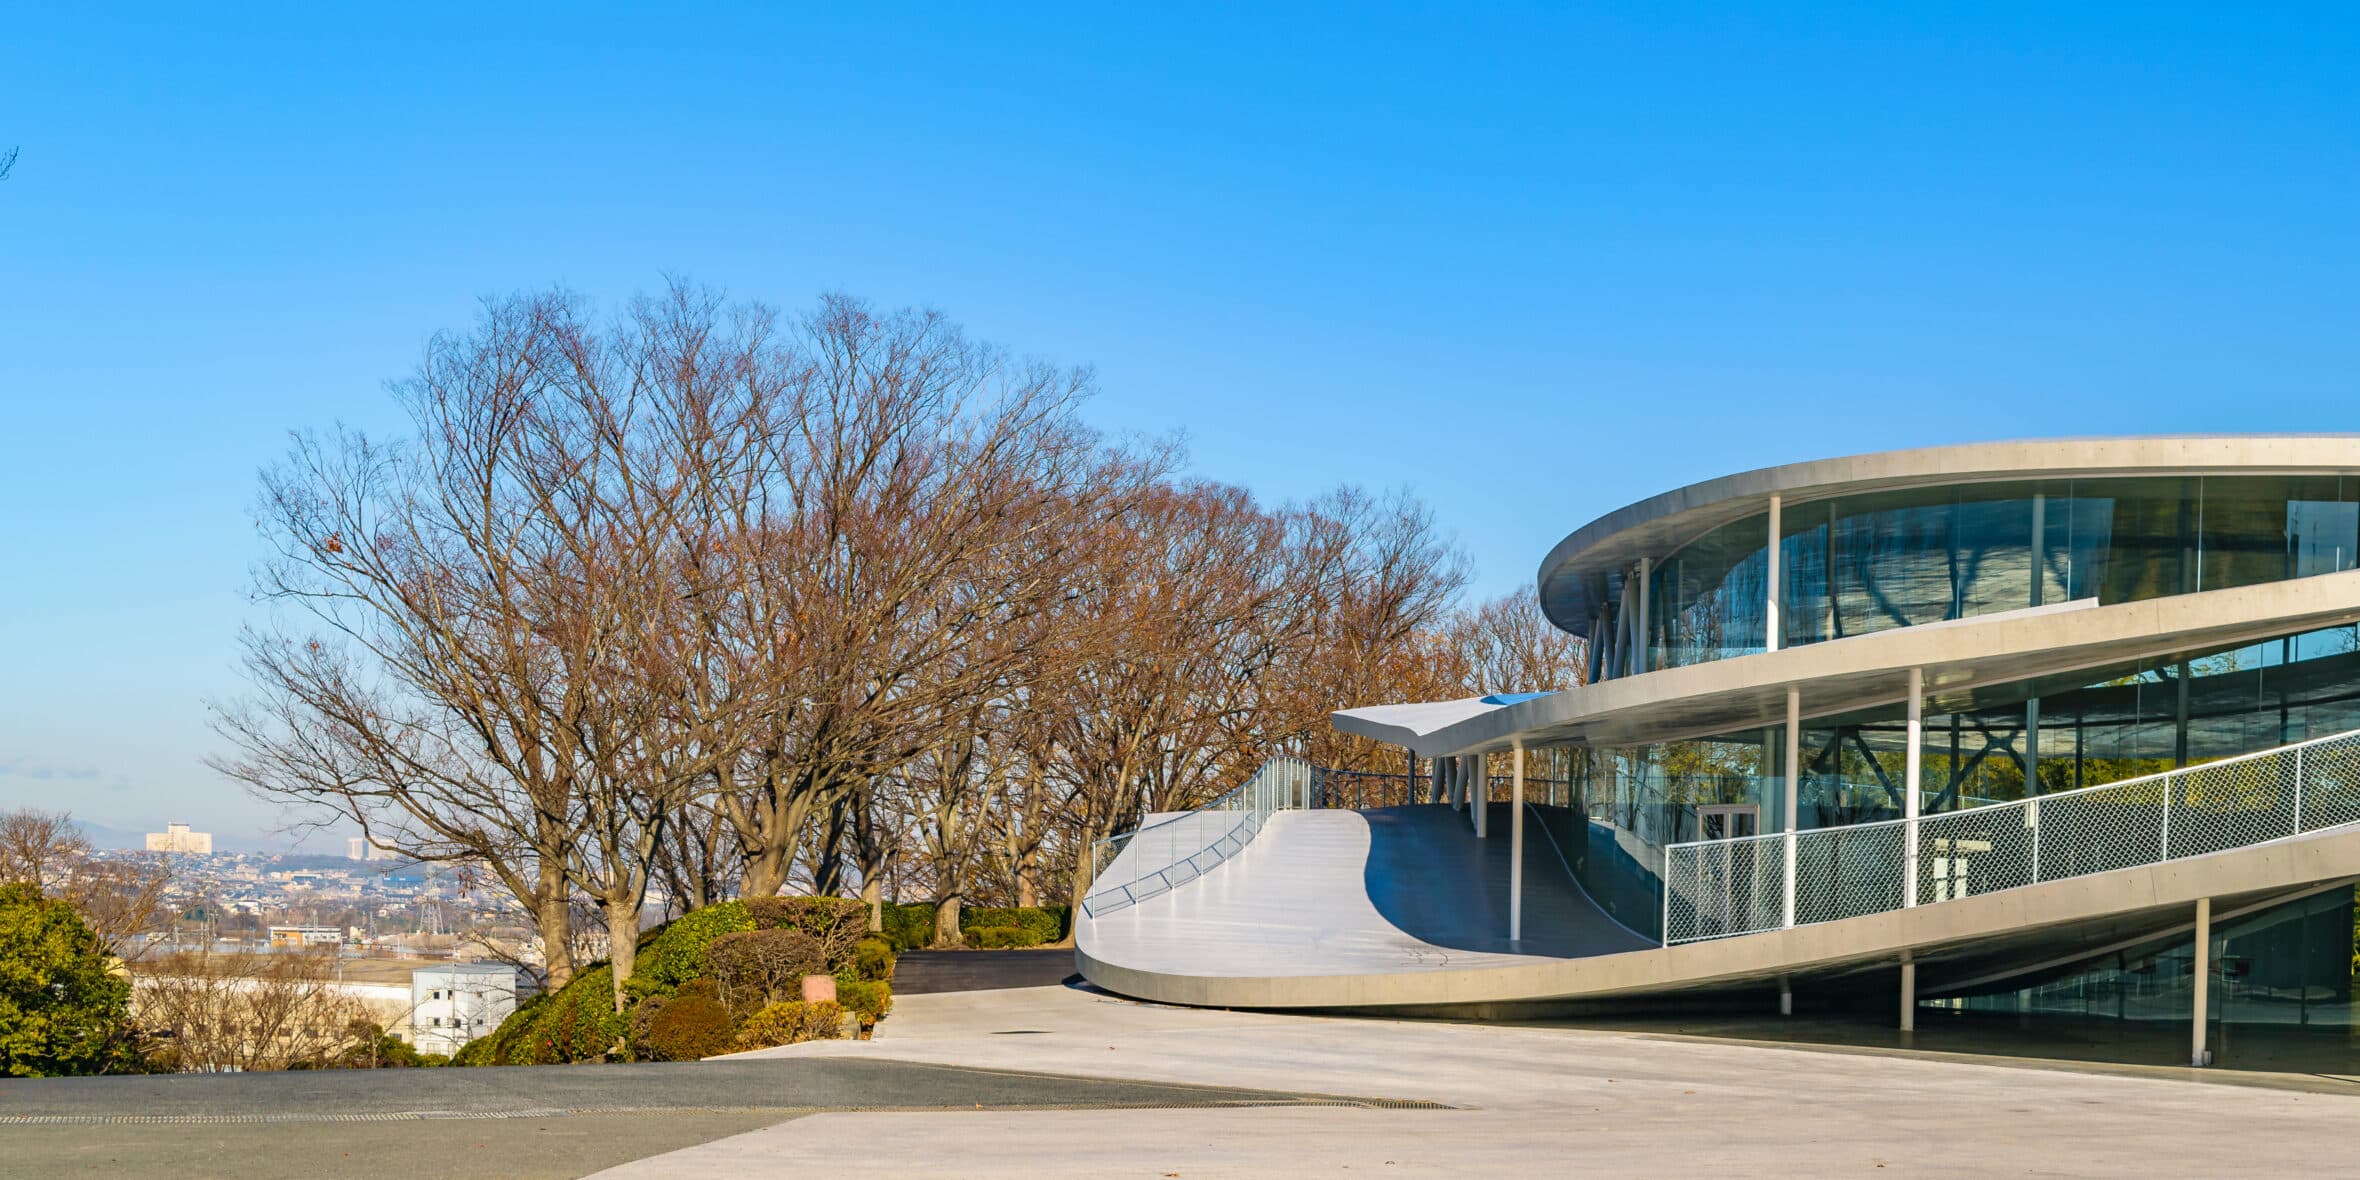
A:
(1410, 724)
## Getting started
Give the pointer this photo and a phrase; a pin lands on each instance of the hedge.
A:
(871, 1000)
(674, 953)
(911, 927)
(1045, 924)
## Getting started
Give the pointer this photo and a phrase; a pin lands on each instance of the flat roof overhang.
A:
(1841, 676)
(1660, 525)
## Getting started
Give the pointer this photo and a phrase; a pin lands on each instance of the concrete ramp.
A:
(1393, 910)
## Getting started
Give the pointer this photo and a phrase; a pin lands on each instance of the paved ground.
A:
(918, 973)
(557, 1121)
(1528, 1100)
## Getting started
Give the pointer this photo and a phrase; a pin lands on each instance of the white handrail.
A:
(1720, 888)
(1191, 848)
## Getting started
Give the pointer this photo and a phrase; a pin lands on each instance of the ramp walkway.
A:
(1404, 909)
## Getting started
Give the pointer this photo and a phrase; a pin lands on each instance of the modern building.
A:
(285, 937)
(454, 1003)
(177, 838)
(361, 848)
(2068, 729)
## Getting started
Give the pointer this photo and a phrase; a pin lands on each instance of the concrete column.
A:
(2198, 1054)
(1516, 851)
(1770, 575)
(1794, 784)
(1639, 660)
(1479, 792)
(1786, 996)
(1908, 992)
(1913, 764)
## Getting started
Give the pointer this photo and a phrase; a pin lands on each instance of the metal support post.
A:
(1516, 851)
(1479, 790)
(1908, 992)
(1794, 782)
(1913, 766)
(2203, 1008)
(1770, 559)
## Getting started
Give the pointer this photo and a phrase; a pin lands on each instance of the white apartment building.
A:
(177, 838)
(454, 1003)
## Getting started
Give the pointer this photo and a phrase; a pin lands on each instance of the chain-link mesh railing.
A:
(1171, 852)
(1717, 888)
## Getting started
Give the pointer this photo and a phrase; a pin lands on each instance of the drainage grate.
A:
(88, 1120)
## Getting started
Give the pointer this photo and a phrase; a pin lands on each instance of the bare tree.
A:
(218, 1012)
(120, 899)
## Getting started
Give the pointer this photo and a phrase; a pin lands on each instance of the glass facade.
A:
(2280, 996)
(1854, 565)
(2037, 736)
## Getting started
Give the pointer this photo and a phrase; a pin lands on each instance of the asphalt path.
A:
(536, 1121)
(918, 973)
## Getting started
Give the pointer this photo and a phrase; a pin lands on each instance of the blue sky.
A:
(1533, 262)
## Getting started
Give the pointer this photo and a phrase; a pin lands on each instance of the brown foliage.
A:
(757, 967)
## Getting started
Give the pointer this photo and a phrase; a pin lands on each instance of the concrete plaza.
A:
(1523, 1100)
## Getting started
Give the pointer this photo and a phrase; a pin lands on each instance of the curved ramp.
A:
(1294, 921)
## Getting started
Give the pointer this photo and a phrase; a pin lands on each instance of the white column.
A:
(1913, 765)
(1794, 783)
(1639, 661)
(1770, 576)
(2198, 1056)
(1908, 992)
(1516, 851)
(1479, 788)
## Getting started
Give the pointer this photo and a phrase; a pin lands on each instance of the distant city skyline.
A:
(1481, 255)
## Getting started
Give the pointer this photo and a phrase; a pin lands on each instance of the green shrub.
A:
(837, 924)
(871, 1000)
(1000, 938)
(909, 927)
(62, 1011)
(578, 1024)
(789, 1022)
(1045, 924)
(495, 1047)
(685, 1028)
(873, 960)
(758, 967)
(674, 953)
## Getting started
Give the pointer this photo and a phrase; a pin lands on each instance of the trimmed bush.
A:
(758, 967)
(871, 1000)
(789, 1022)
(1045, 924)
(674, 953)
(577, 1024)
(836, 923)
(1000, 938)
(873, 960)
(686, 1028)
(909, 927)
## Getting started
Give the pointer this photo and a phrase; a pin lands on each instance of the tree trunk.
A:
(555, 918)
(622, 932)
(872, 892)
(946, 921)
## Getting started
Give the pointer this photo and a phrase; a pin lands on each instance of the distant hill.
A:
(316, 844)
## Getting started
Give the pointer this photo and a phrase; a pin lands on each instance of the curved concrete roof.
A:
(1838, 676)
(1658, 525)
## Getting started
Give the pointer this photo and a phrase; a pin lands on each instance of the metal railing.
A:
(1171, 852)
(1719, 888)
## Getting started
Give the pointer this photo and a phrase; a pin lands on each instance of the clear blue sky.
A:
(1534, 263)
